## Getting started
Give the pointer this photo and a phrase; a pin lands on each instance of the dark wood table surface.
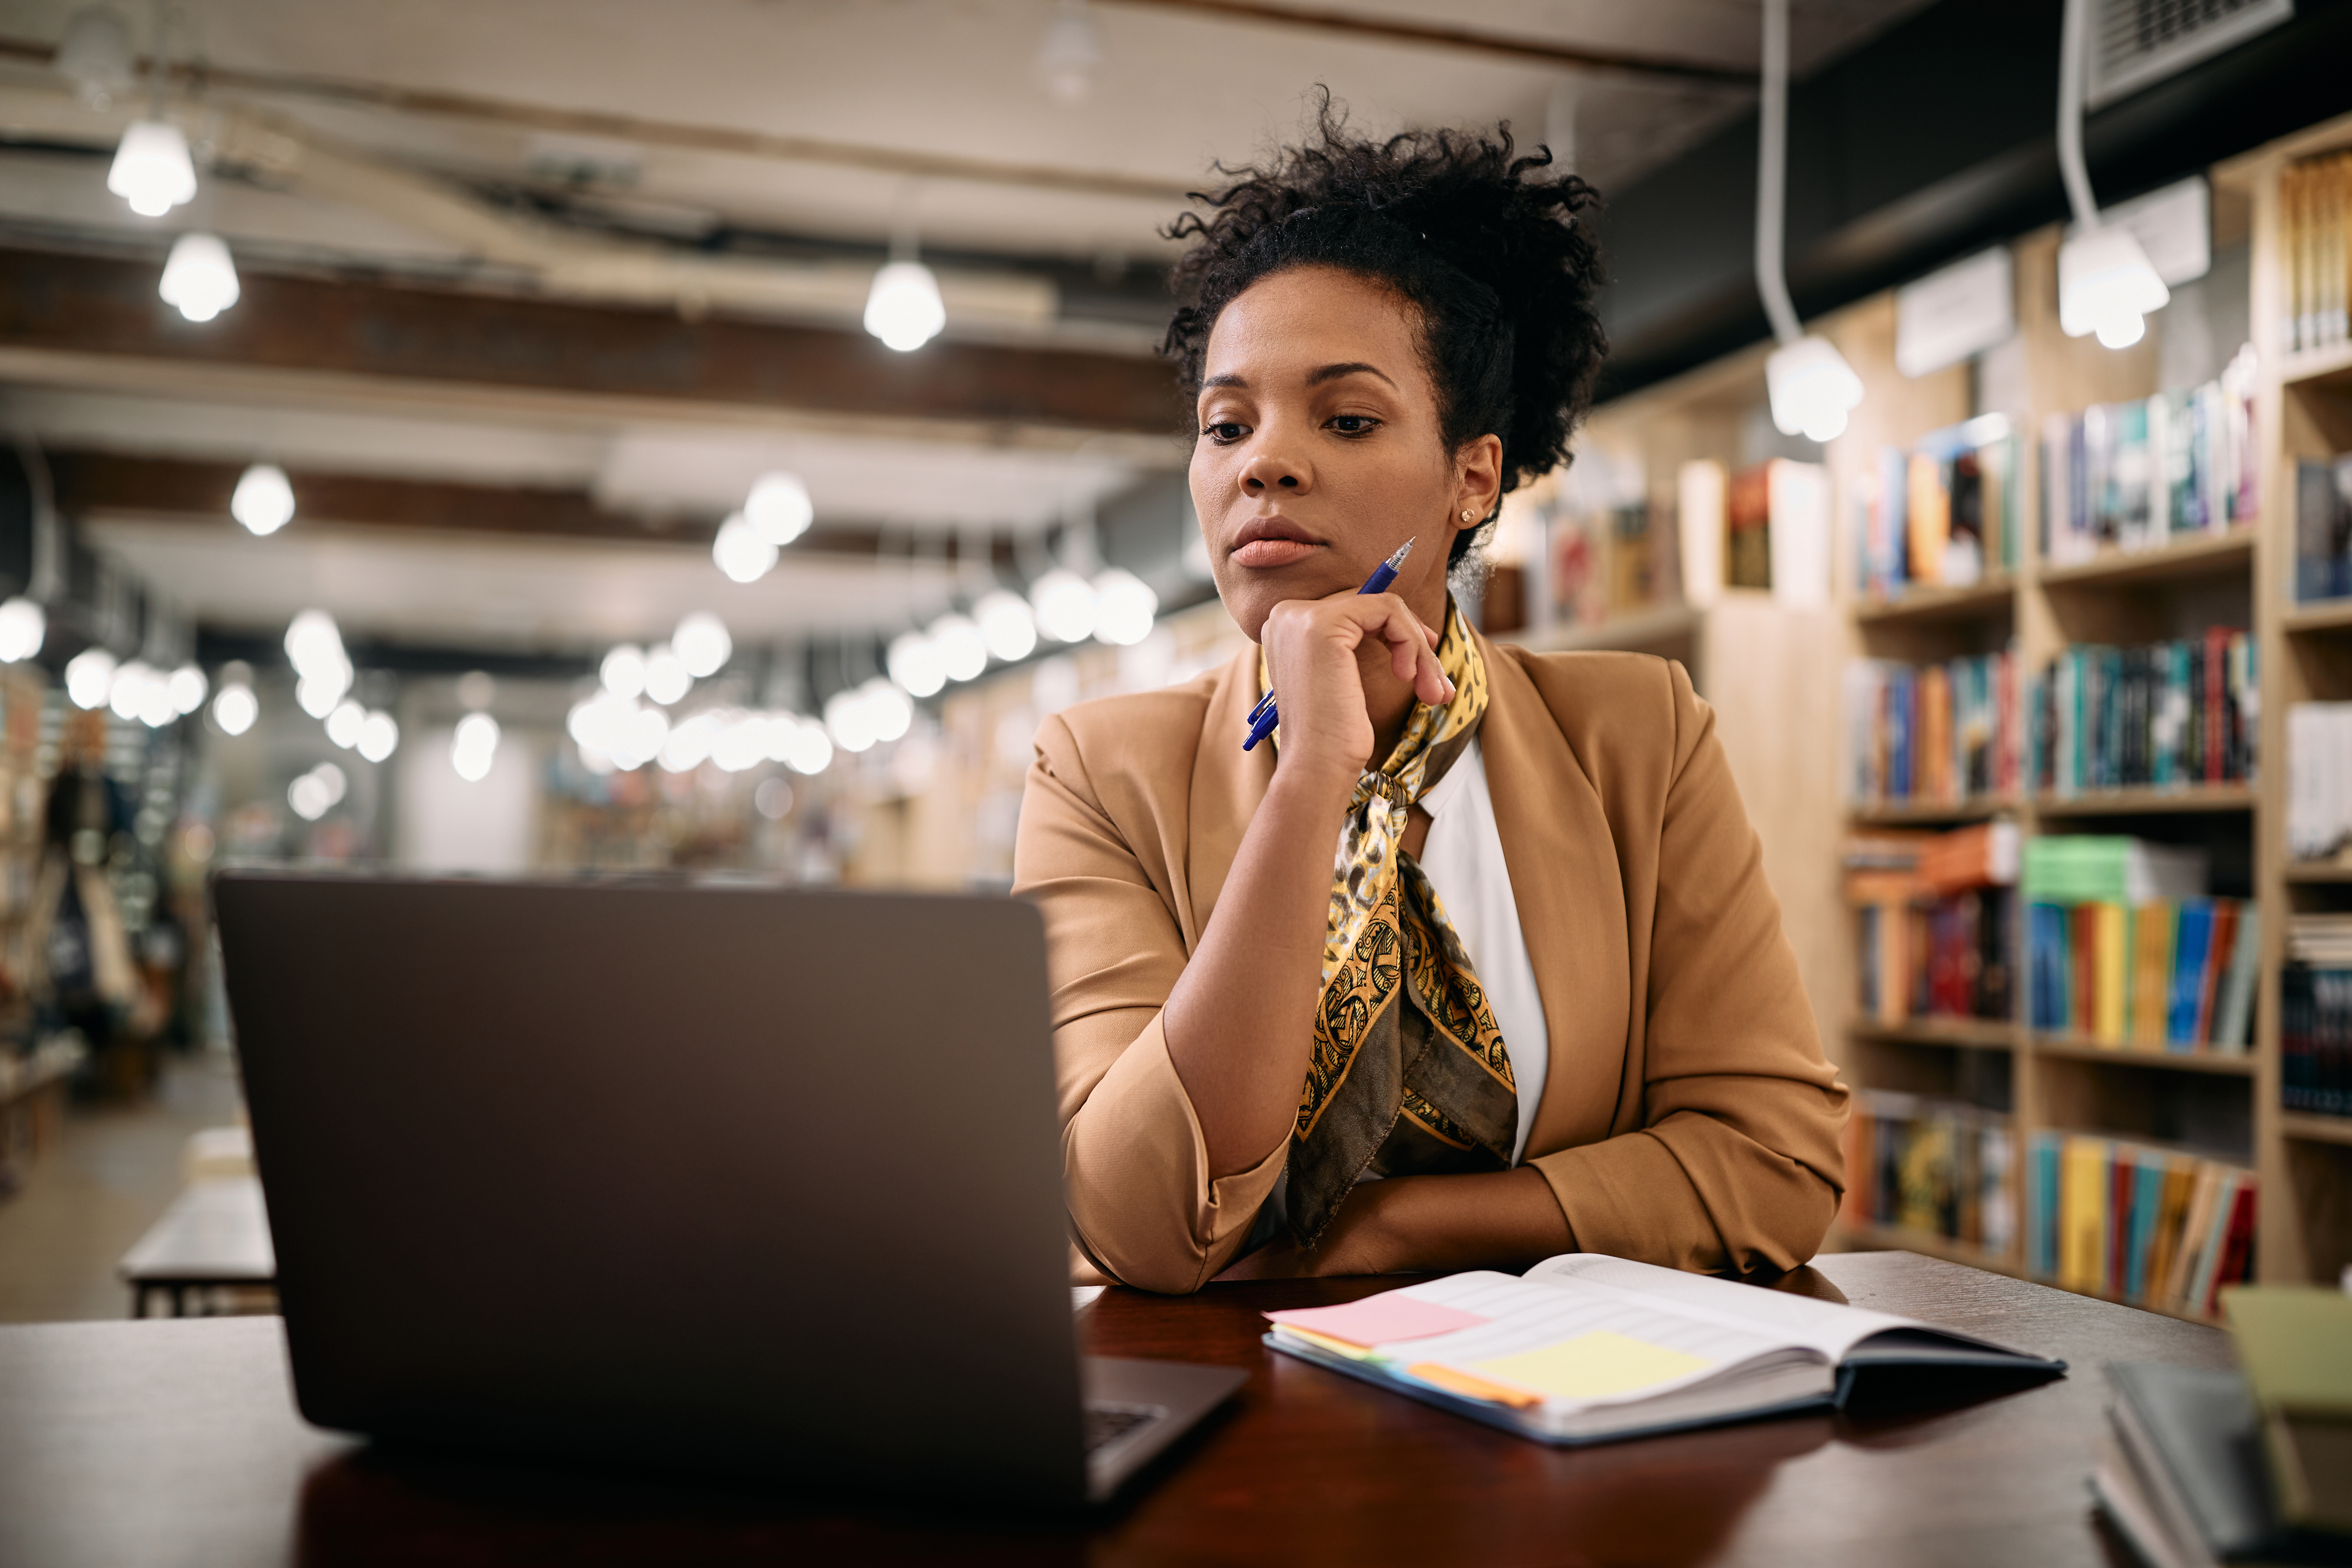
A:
(175, 1442)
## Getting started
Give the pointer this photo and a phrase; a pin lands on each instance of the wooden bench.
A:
(214, 1235)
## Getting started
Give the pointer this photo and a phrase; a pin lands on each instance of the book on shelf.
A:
(2124, 947)
(1764, 527)
(2323, 529)
(2315, 244)
(2316, 1015)
(1940, 1167)
(2152, 1227)
(2138, 474)
(2318, 779)
(1935, 922)
(2166, 715)
(1599, 549)
(1588, 1348)
(1947, 512)
(1932, 734)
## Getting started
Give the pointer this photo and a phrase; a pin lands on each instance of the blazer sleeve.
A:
(1144, 1204)
(1736, 1163)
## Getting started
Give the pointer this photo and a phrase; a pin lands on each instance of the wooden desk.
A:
(176, 1442)
(216, 1233)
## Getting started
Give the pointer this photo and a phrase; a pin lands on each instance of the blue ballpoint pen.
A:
(1263, 718)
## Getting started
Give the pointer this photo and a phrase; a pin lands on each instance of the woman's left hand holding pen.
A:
(1323, 654)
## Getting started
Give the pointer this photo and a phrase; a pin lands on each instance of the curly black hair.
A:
(1484, 245)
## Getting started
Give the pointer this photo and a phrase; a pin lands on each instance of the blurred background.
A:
(523, 437)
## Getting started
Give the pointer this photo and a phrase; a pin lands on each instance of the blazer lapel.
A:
(1228, 785)
(1570, 895)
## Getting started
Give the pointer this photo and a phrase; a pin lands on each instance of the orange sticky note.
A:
(1454, 1382)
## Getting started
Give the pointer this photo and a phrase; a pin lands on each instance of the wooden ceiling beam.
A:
(107, 308)
(196, 491)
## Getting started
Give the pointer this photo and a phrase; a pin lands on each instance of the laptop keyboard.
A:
(1107, 1423)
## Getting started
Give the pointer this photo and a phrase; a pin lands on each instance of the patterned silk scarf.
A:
(1411, 1078)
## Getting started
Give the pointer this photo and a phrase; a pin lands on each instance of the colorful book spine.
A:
(2315, 238)
(2134, 476)
(1936, 1167)
(2315, 1038)
(1932, 734)
(2152, 1227)
(2170, 715)
(2167, 975)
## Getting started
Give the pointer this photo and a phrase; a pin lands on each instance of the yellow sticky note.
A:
(1594, 1366)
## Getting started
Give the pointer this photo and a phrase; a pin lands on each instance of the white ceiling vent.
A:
(2138, 43)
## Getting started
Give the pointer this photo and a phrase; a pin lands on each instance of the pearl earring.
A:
(1467, 515)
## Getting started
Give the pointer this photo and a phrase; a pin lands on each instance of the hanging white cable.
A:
(2106, 282)
(1811, 387)
(2074, 39)
(1772, 175)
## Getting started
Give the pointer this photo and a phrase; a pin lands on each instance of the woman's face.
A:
(1319, 450)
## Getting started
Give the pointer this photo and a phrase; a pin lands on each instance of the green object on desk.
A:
(2295, 1344)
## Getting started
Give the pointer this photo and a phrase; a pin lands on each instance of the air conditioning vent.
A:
(2138, 43)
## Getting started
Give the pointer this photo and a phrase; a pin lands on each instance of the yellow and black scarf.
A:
(1411, 1078)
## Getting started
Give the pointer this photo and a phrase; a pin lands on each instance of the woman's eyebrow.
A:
(1208, 382)
(1334, 371)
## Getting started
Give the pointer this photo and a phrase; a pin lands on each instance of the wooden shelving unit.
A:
(2240, 578)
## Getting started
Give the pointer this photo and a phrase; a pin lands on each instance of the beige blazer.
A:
(1688, 1117)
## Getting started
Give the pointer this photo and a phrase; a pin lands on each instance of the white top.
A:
(1463, 858)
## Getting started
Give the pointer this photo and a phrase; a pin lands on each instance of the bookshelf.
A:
(2222, 1107)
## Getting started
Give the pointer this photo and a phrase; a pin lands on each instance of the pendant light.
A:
(199, 277)
(1812, 388)
(151, 168)
(264, 500)
(904, 308)
(2106, 284)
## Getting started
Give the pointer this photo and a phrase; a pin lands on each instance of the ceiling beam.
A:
(53, 305)
(202, 78)
(194, 490)
(1541, 51)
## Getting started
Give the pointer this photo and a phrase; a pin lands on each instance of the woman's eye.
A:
(1354, 423)
(1224, 432)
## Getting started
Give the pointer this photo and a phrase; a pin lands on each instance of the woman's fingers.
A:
(1413, 656)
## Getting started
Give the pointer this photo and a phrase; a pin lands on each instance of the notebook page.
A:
(1526, 1318)
(1829, 1327)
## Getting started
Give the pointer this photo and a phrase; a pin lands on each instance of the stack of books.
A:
(2209, 1465)
(2323, 529)
(2152, 1227)
(1949, 512)
(1764, 527)
(2136, 475)
(1936, 1167)
(1934, 734)
(1935, 920)
(2123, 946)
(2316, 1015)
(2166, 716)
(2315, 242)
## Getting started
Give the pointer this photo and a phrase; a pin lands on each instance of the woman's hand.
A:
(1499, 1219)
(1317, 651)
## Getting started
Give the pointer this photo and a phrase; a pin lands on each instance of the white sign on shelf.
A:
(2174, 226)
(1956, 311)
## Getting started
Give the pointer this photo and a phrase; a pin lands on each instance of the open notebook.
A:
(1584, 1348)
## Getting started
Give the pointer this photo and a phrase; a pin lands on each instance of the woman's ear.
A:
(1478, 481)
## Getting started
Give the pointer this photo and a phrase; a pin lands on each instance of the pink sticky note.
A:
(1380, 1319)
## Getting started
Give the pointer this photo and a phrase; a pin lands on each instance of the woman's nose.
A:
(1269, 471)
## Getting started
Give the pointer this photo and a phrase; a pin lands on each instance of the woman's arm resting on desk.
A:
(1501, 1219)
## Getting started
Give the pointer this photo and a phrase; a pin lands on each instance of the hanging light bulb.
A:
(904, 308)
(963, 651)
(809, 751)
(740, 551)
(2106, 282)
(187, 688)
(1065, 604)
(887, 712)
(127, 692)
(624, 671)
(779, 509)
(2107, 285)
(379, 735)
(1811, 387)
(1069, 55)
(199, 278)
(667, 678)
(1005, 624)
(89, 678)
(95, 55)
(236, 709)
(916, 664)
(848, 721)
(264, 502)
(24, 626)
(701, 644)
(343, 725)
(474, 747)
(151, 168)
(1124, 607)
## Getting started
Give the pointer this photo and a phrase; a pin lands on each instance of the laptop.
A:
(755, 1180)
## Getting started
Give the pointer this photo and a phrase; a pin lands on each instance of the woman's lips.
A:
(1274, 551)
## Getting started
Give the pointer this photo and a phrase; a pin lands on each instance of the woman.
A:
(1541, 993)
